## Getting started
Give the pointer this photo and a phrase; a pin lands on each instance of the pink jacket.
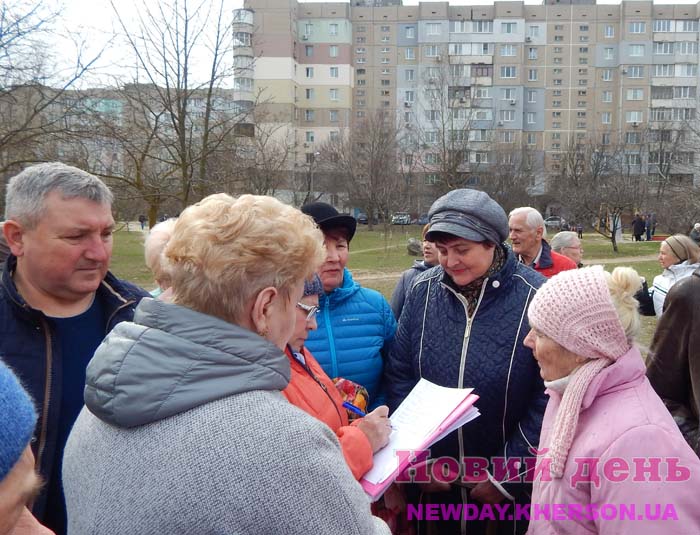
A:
(621, 419)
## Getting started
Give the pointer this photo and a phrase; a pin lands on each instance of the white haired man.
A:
(527, 234)
(567, 243)
(57, 302)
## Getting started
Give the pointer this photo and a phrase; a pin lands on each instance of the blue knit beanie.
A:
(17, 420)
(313, 286)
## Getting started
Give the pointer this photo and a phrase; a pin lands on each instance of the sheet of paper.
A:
(417, 418)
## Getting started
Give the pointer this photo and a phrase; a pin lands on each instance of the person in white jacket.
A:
(679, 256)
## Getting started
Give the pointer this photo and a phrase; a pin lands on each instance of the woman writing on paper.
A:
(463, 325)
(602, 409)
(312, 390)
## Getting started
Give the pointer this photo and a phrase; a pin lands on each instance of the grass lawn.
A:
(378, 257)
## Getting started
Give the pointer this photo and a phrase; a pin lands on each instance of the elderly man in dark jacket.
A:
(57, 303)
(463, 325)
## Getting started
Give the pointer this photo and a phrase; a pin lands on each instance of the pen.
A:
(349, 406)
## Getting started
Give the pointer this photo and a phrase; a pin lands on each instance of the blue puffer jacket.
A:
(29, 346)
(355, 327)
(437, 340)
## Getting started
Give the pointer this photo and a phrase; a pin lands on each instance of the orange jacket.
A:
(312, 390)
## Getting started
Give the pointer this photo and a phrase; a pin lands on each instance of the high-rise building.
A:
(541, 79)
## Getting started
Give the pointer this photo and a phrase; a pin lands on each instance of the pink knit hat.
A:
(575, 309)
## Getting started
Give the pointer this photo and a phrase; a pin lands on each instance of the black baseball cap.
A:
(327, 218)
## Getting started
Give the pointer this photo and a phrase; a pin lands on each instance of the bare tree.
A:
(366, 161)
(602, 181)
(510, 175)
(196, 116)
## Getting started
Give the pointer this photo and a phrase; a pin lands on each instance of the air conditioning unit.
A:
(500, 123)
(462, 100)
(304, 37)
(438, 58)
(528, 39)
(306, 145)
(407, 104)
(512, 102)
(432, 80)
(624, 71)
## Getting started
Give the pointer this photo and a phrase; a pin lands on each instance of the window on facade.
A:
(531, 116)
(663, 48)
(433, 28)
(386, 28)
(410, 96)
(606, 117)
(333, 94)
(687, 47)
(457, 71)
(362, 82)
(308, 115)
(410, 32)
(507, 115)
(532, 75)
(662, 25)
(609, 53)
(333, 71)
(688, 69)
(386, 71)
(633, 138)
(663, 70)
(409, 75)
(531, 96)
(309, 94)
(637, 27)
(507, 136)
(689, 26)
(508, 72)
(609, 31)
(533, 31)
(605, 139)
(482, 92)
(482, 26)
(636, 50)
(633, 117)
(309, 72)
(531, 53)
(333, 116)
(508, 50)
(607, 96)
(333, 29)
(557, 61)
(386, 82)
(635, 94)
(508, 93)
(309, 51)
(309, 137)
(558, 38)
(410, 53)
(509, 27)
(632, 159)
(531, 138)
(459, 26)
(684, 92)
(556, 81)
(635, 71)
(361, 39)
(385, 61)
(333, 51)
(607, 75)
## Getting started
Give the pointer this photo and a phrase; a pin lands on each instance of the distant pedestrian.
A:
(579, 231)
(647, 226)
(638, 227)
(142, 220)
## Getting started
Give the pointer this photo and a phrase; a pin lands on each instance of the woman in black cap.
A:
(463, 326)
(355, 324)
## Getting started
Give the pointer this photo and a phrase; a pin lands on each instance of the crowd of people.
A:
(250, 391)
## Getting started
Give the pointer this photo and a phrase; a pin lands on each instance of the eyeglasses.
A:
(309, 309)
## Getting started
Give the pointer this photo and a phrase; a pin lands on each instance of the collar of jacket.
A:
(545, 257)
(345, 290)
(171, 359)
(110, 289)
(498, 280)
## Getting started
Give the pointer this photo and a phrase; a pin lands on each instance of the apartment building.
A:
(539, 79)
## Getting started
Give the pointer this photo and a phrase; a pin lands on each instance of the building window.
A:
(361, 60)
(508, 72)
(433, 28)
(637, 27)
(558, 38)
(633, 117)
(386, 61)
(684, 92)
(531, 117)
(507, 136)
(385, 28)
(531, 96)
(333, 29)
(309, 50)
(333, 72)
(309, 72)
(606, 117)
(605, 139)
(308, 29)
(508, 93)
(607, 96)
(309, 94)
(507, 116)
(663, 48)
(688, 69)
(687, 47)
(558, 27)
(662, 25)
(689, 26)
(482, 26)
(633, 138)
(333, 51)
(635, 71)
(361, 39)
(409, 75)
(362, 82)
(632, 159)
(508, 50)
(333, 94)
(607, 75)
(556, 81)
(533, 31)
(609, 31)
(531, 138)
(509, 27)
(410, 96)
(663, 70)
(359, 114)
(410, 53)
(531, 53)
(333, 116)
(635, 94)
(636, 50)
(532, 75)
(386, 82)
(309, 137)
(308, 115)
(459, 26)
(432, 51)
(609, 53)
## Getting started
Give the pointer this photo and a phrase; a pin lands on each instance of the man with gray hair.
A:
(527, 234)
(57, 302)
(567, 243)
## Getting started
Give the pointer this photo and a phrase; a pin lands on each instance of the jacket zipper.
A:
(47, 395)
(331, 340)
(319, 383)
(116, 311)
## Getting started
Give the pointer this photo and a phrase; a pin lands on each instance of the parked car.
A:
(555, 222)
(401, 218)
(422, 219)
(362, 218)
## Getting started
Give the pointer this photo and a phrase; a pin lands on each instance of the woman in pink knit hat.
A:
(611, 459)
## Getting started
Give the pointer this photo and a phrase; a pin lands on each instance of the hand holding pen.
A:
(375, 425)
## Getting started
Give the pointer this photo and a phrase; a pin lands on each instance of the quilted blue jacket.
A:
(438, 340)
(355, 327)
